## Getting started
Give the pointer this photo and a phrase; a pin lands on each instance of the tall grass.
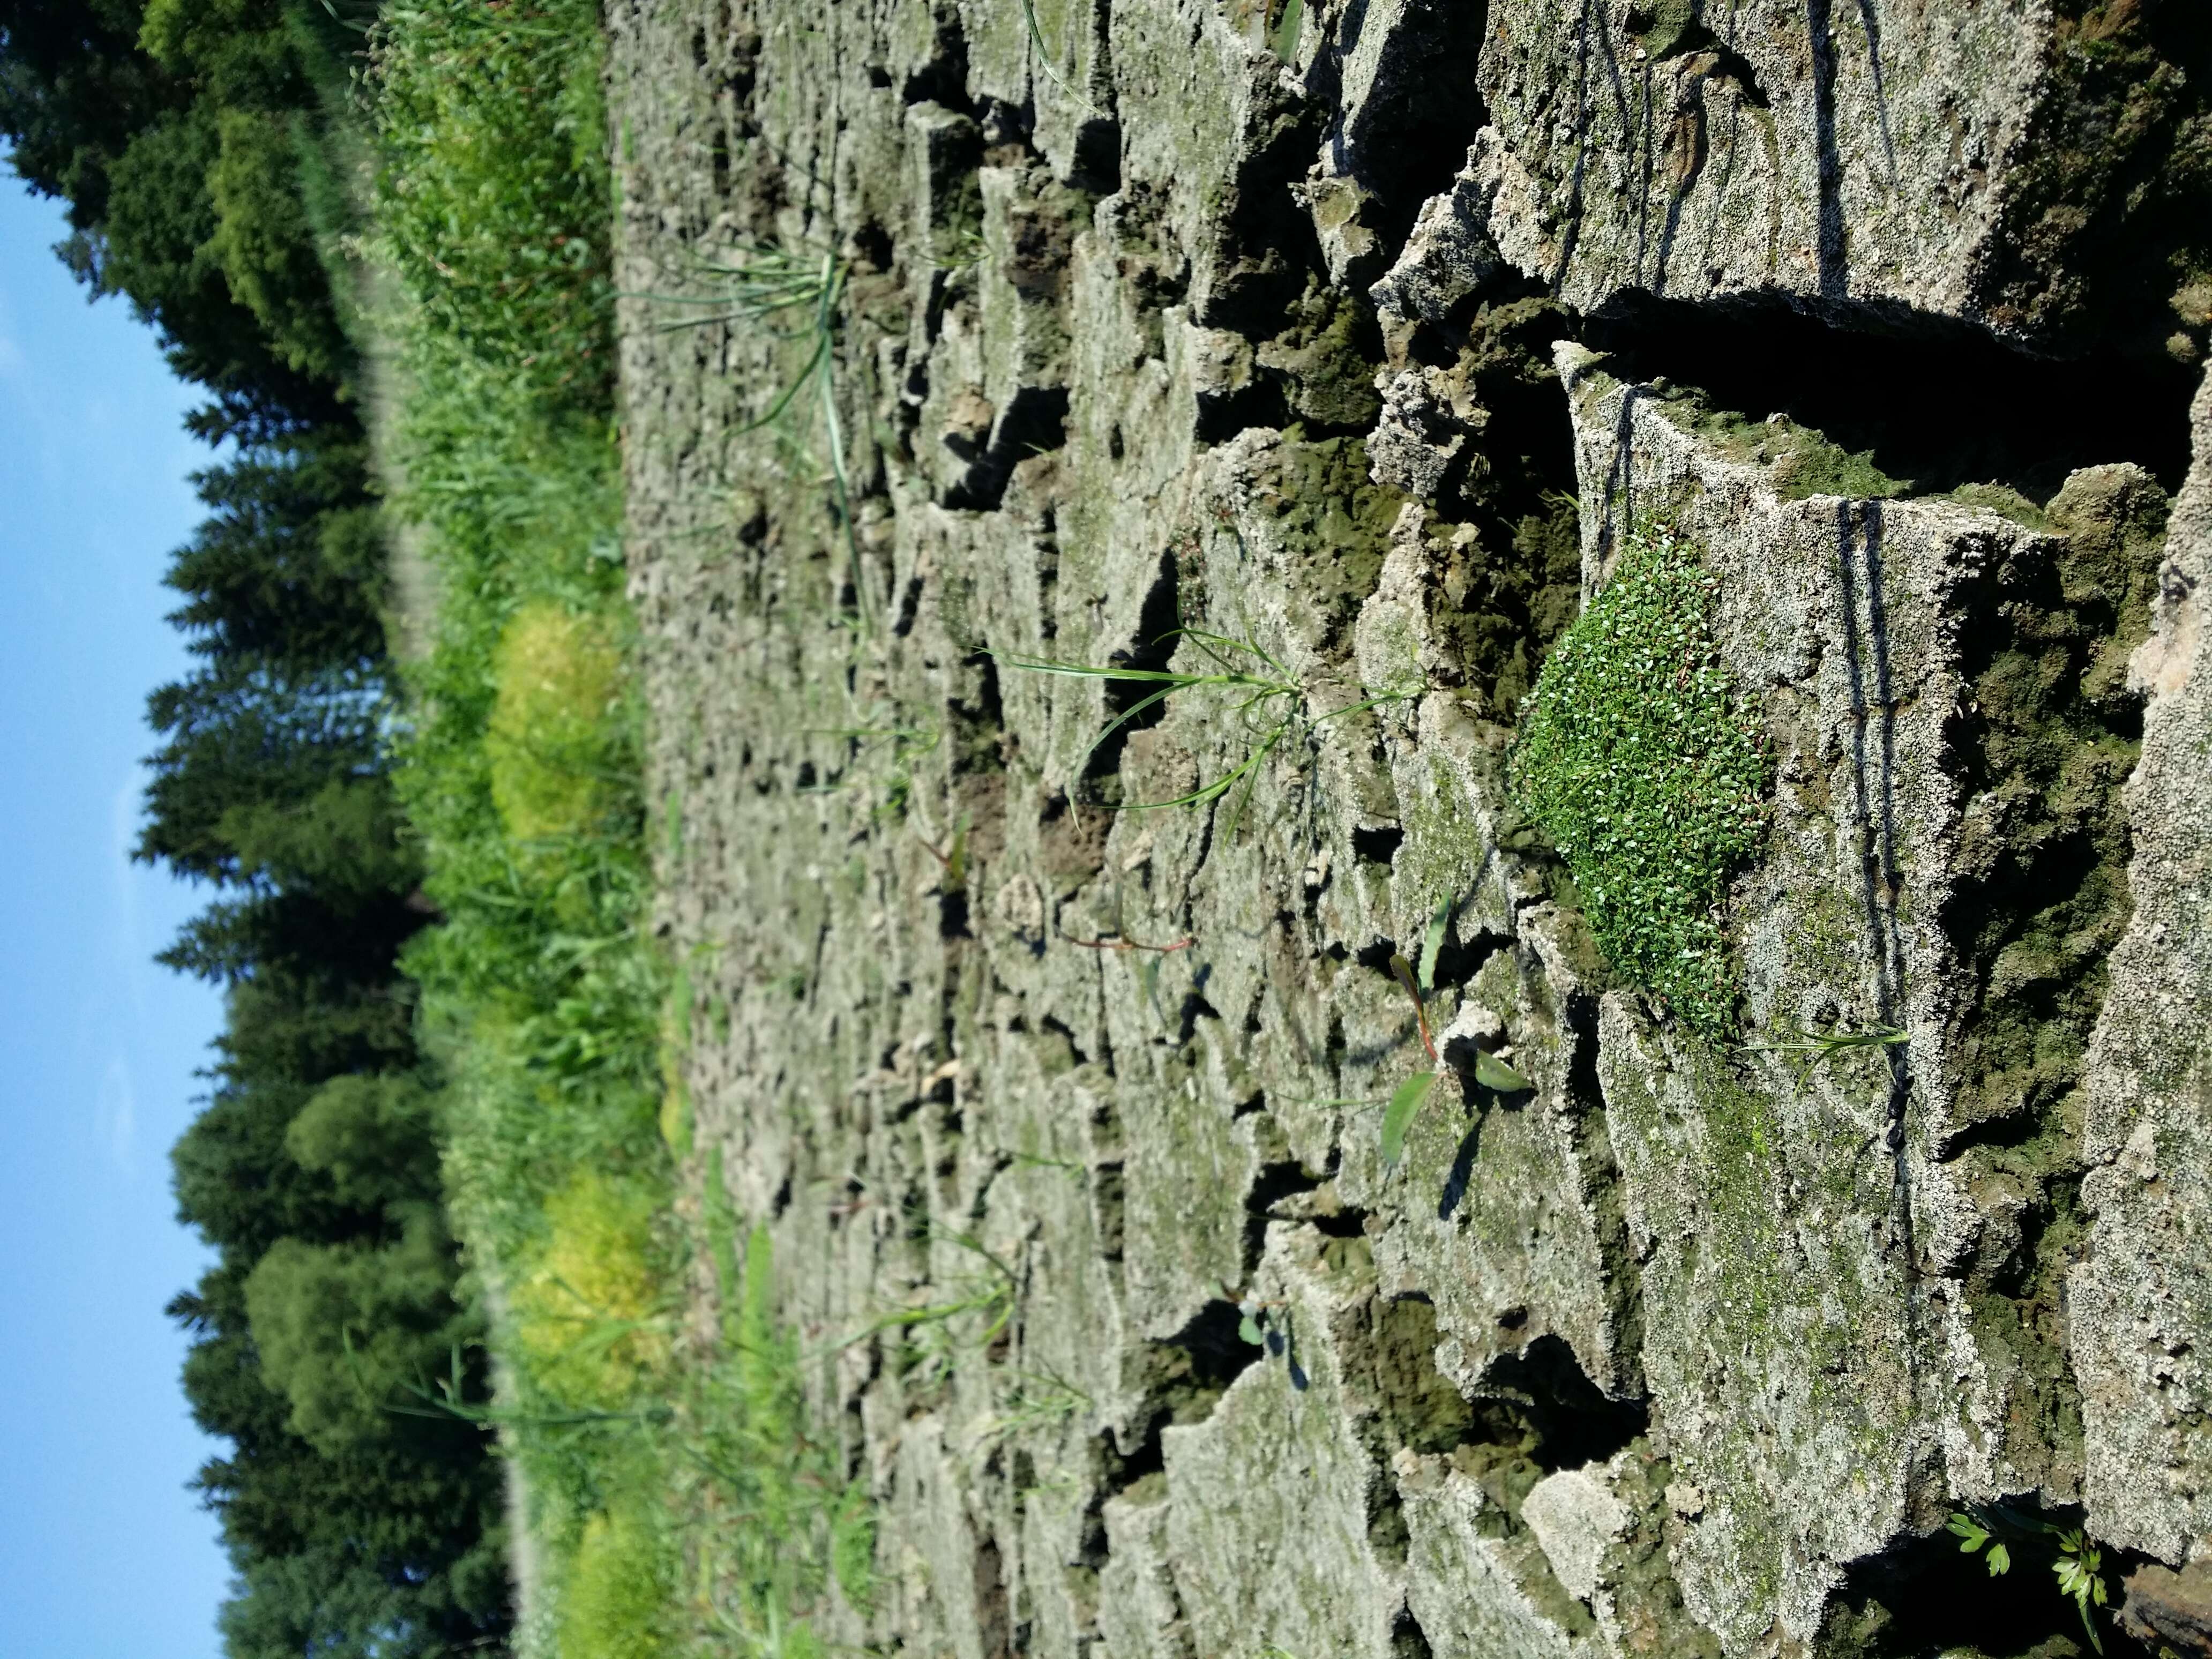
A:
(520, 764)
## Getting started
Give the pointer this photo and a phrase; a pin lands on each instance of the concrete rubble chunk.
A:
(1863, 161)
(2141, 1299)
(1575, 1518)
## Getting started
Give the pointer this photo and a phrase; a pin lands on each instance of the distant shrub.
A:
(585, 1310)
(558, 676)
(1636, 757)
(614, 1604)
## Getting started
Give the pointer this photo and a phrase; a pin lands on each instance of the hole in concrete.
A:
(1035, 423)
(994, 1628)
(1938, 406)
(1274, 1183)
(1186, 1375)
(1410, 134)
(1109, 1200)
(1575, 1423)
(1272, 235)
(1379, 846)
(1407, 1639)
(942, 78)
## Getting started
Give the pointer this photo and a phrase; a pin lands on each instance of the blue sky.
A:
(102, 1550)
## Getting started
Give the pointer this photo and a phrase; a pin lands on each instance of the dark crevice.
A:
(1379, 845)
(1932, 404)
(1194, 1006)
(1035, 423)
(1925, 1597)
(1182, 1379)
(1574, 1423)
(995, 1629)
(1507, 538)
(1411, 131)
(943, 76)
(1407, 1639)
(1158, 618)
(1274, 1183)
(1061, 1030)
(1110, 1207)
(1458, 959)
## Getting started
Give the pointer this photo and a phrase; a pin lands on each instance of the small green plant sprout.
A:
(1256, 1321)
(1398, 1117)
(1490, 1071)
(2080, 1577)
(2077, 1562)
(1973, 1534)
(1813, 1047)
(1271, 705)
(1637, 757)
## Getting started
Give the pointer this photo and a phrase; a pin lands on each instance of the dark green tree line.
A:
(192, 144)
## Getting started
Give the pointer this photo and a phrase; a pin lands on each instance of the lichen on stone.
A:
(1636, 755)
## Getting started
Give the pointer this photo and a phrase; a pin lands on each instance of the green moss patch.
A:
(1802, 462)
(1634, 755)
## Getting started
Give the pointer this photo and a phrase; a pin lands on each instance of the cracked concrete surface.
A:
(1261, 321)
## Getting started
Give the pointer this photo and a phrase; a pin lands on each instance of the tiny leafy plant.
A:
(1639, 759)
(1264, 698)
(2077, 1562)
(1413, 1092)
(1266, 1326)
(1490, 1071)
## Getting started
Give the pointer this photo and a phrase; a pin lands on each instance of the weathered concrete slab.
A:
(1642, 1359)
(2142, 1301)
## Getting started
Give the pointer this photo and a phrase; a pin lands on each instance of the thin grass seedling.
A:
(1814, 1048)
(1116, 942)
(1044, 53)
(1264, 696)
(765, 284)
(992, 1302)
(1041, 1400)
(446, 1398)
(1036, 1161)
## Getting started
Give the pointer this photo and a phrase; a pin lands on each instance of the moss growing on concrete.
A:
(1636, 758)
(1333, 522)
(1327, 360)
(1803, 461)
(2047, 742)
